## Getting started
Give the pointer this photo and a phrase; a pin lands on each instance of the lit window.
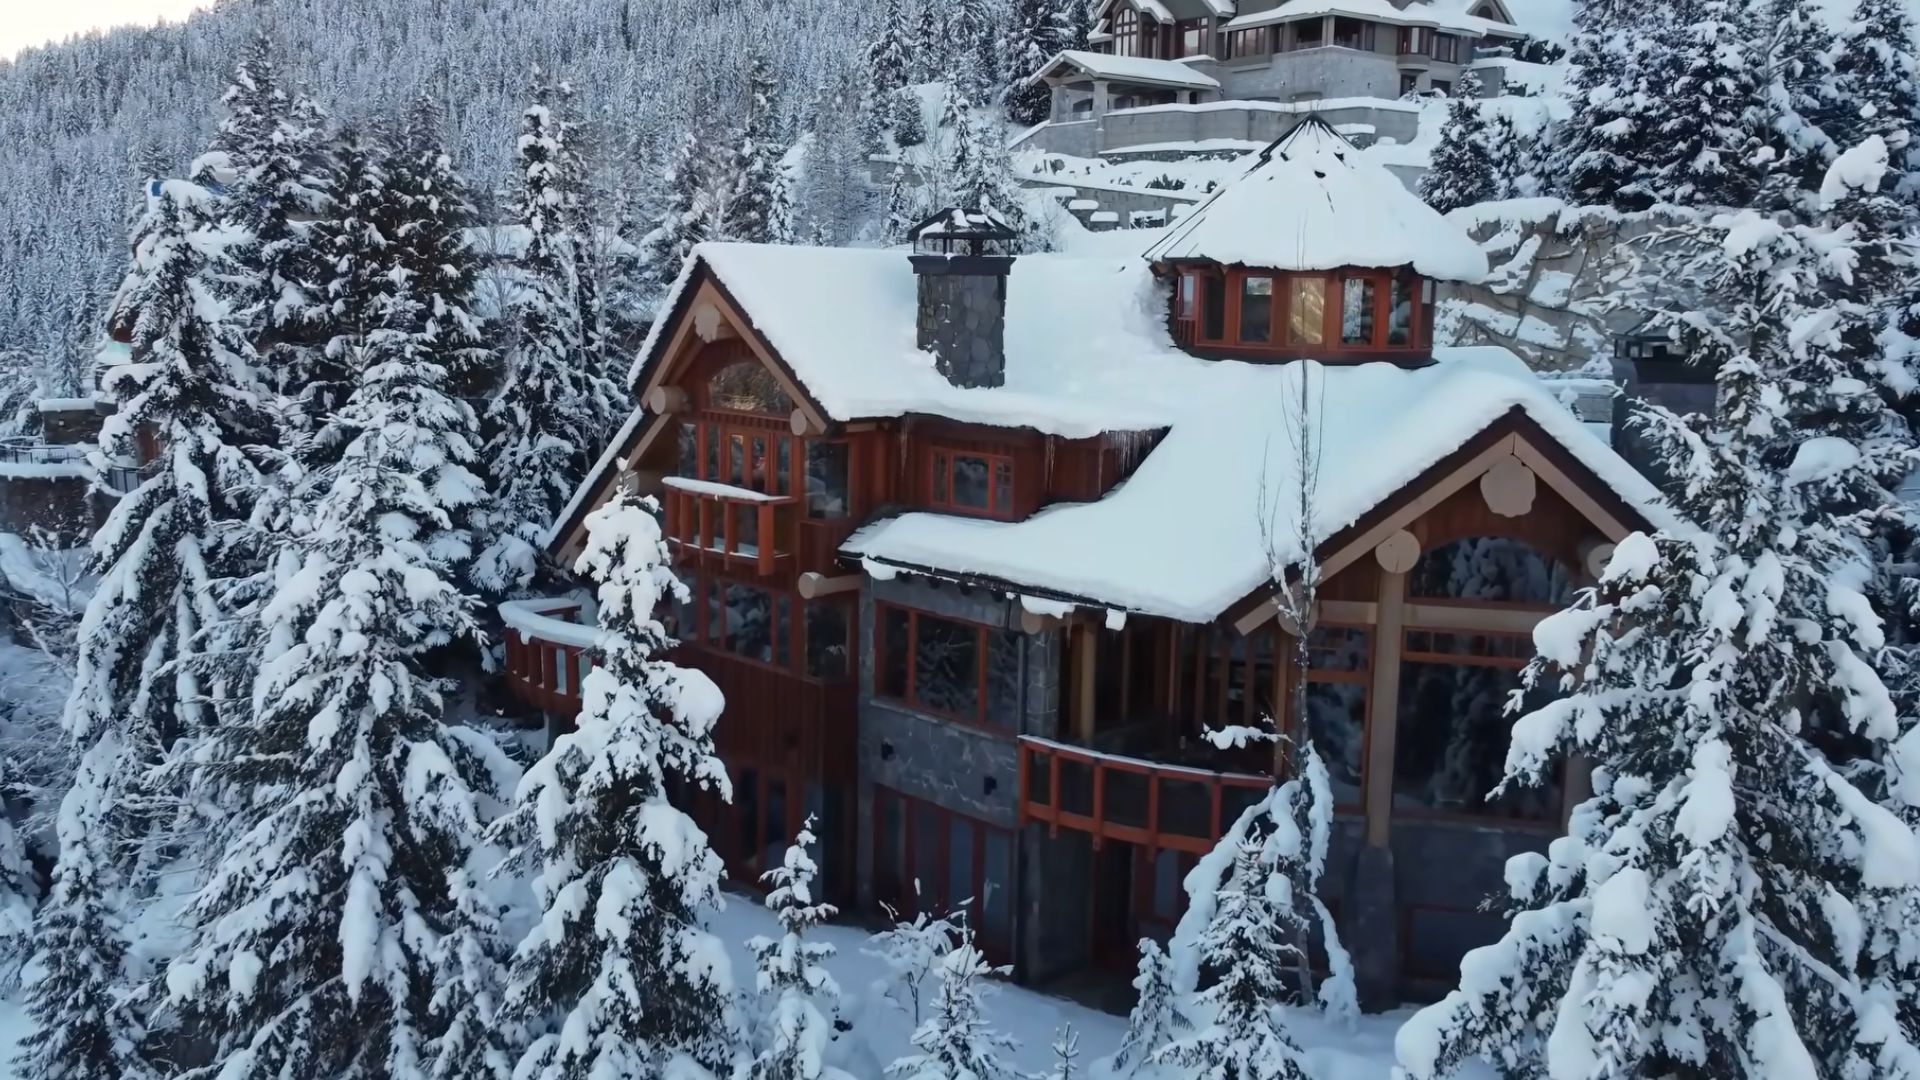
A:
(1256, 309)
(1356, 311)
(1307, 311)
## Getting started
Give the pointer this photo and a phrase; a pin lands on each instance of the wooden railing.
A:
(546, 674)
(1169, 807)
(778, 720)
(723, 531)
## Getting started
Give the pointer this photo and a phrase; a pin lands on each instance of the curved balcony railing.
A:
(1108, 797)
(549, 652)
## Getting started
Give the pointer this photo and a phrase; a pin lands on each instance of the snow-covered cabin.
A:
(978, 546)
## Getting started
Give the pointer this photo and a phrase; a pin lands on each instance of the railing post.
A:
(705, 513)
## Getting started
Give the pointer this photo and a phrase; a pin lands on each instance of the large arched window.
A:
(748, 387)
(1490, 569)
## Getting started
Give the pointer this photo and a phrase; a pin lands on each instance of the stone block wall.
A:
(962, 321)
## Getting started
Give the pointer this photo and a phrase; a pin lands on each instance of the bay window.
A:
(1306, 310)
(1256, 308)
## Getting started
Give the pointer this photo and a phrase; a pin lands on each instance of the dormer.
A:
(1315, 253)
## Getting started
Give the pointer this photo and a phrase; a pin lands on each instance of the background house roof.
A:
(1314, 202)
(1137, 70)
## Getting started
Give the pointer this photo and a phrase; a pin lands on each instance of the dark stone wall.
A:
(962, 321)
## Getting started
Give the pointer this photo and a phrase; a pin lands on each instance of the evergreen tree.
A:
(1711, 123)
(1156, 1019)
(1066, 1055)
(1801, 93)
(890, 54)
(1728, 900)
(909, 127)
(550, 413)
(930, 44)
(316, 945)
(1876, 85)
(271, 142)
(1618, 60)
(955, 1042)
(803, 1001)
(1464, 169)
(619, 977)
(18, 892)
(972, 63)
(983, 174)
(1042, 29)
(761, 208)
(686, 216)
(1244, 955)
(354, 246)
(1079, 23)
(902, 206)
(433, 249)
(473, 1043)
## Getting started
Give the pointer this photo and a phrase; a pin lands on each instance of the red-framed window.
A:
(759, 455)
(1304, 313)
(1338, 696)
(930, 860)
(960, 670)
(971, 482)
(813, 639)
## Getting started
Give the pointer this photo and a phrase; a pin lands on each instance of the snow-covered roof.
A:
(1138, 70)
(1183, 537)
(1437, 14)
(1314, 202)
(842, 320)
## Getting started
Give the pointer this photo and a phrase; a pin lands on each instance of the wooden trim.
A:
(1427, 615)
(1086, 653)
(706, 287)
(1414, 508)
(571, 536)
(1383, 708)
(813, 586)
(1563, 485)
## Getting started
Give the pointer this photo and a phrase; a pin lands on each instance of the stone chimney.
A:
(961, 259)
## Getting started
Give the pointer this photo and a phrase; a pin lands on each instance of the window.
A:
(1454, 728)
(1357, 296)
(1306, 310)
(689, 449)
(1446, 48)
(1409, 82)
(826, 479)
(1213, 307)
(1441, 87)
(829, 639)
(1413, 42)
(1195, 38)
(1242, 44)
(1309, 33)
(1256, 309)
(1126, 31)
(748, 386)
(1336, 693)
(957, 669)
(758, 624)
(1426, 311)
(971, 483)
(928, 859)
(1352, 33)
(1400, 312)
(1490, 569)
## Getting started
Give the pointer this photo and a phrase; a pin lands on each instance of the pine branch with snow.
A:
(912, 951)
(1156, 1019)
(955, 1042)
(799, 1000)
(619, 976)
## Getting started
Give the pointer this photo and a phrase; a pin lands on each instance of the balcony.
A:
(725, 528)
(1142, 802)
(549, 652)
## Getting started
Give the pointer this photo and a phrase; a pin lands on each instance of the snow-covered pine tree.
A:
(76, 988)
(685, 217)
(956, 1042)
(902, 205)
(1040, 31)
(1244, 956)
(801, 1001)
(473, 1043)
(274, 146)
(1802, 95)
(18, 892)
(890, 53)
(350, 783)
(433, 247)
(1711, 120)
(548, 417)
(354, 247)
(1596, 151)
(1876, 87)
(619, 975)
(761, 210)
(969, 56)
(1464, 170)
(1066, 1055)
(912, 951)
(931, 44)
(1156, 1019)
(1721, 904)
(1079, 23)
(909, 127)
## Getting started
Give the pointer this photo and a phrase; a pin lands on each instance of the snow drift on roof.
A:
(843, 322)
(1184, 537)
(1132, 69)
(1314, 202)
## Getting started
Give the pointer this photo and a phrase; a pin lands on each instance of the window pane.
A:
(960, 884)
(827, 480)
(928, 870)
(1451, 749)
(746, 808)
(1307, 311)
(1003, 679)
(1426, 310)
(1336, 722)
(760, 479)
(970, 482)
(1213, 307)
(683, 626)
(1400, 313)
(1490, 568)
(783, 466)
(1338, 648)
(689, 450)
(775, 834)
(713, 454)
(996, 888)
(1356, 311)
(946, 666)
(1256, 309)
(749, 622)
(941, 478)
(748, 387)
(1003, 487)
(1308, 33)
(1438, 940)
(892, 675)
(827, 649)
(746, 526)
(783, 630)
(1189, 291)
(736, 459)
